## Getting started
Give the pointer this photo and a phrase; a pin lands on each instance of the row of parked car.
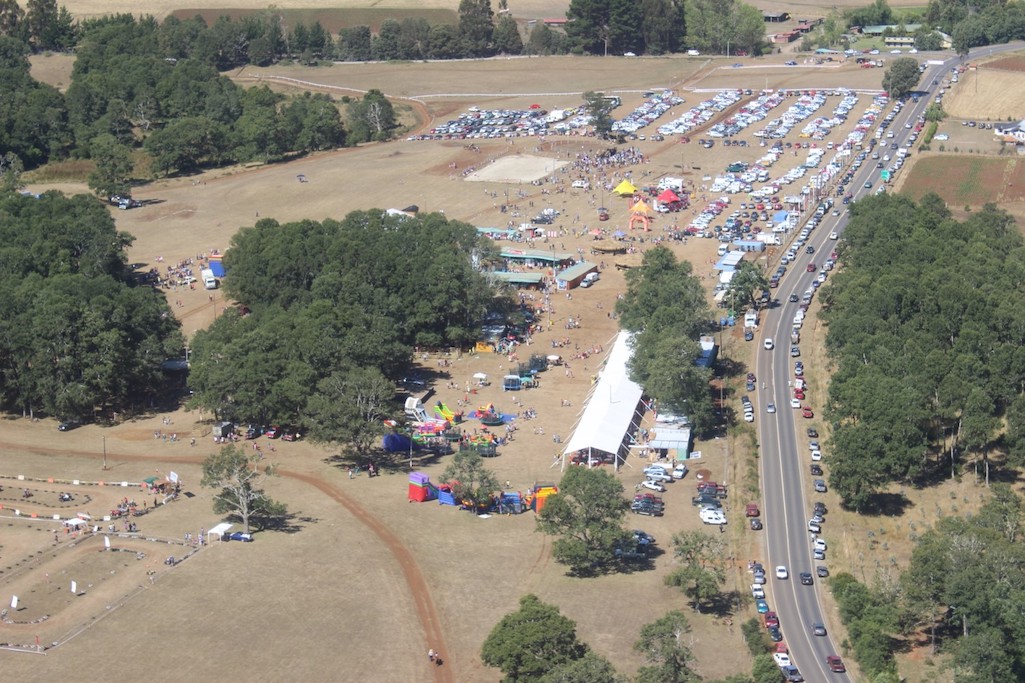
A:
(285, 433)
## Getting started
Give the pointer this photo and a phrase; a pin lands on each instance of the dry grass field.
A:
(995, 91)
(363, 582)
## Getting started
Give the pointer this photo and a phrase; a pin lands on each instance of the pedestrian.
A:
(722, 528)
(431, 654)
(350, 473)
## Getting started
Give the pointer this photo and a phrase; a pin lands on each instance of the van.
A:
(590, 279)
(723, 248)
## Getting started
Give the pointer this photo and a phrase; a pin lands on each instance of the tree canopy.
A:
(528, 643)
(665, 307)
(77, 337)
(586, 516)
(335, 309)
(901, 77)
(237, 473)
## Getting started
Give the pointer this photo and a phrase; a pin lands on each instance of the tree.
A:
(765, 669)
(11, 16)
(476, 26)
(471, 481)
(662, 644)
(349, 406)
(599, 108)
(747, 285)
(702, 571)
(113, 167)
(532, 641)
(371, 118)
(11, 169)
(507, 36)
(588, 26)
(902, 77)
(590, 668)
(586, 516)
(238, 475)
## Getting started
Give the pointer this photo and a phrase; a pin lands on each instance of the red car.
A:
(798, 394)
(810, 268)
(835, 664)
(771, 620)
(273, 432)
(752, 510)
(807, 412)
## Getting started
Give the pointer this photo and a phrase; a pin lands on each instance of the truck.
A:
(209, 281)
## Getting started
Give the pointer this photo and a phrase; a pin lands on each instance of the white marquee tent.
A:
(611, 407)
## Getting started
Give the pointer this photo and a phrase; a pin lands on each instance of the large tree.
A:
(113, 167)
(472, 482)
(702, 568)
(477, 27)
(349, 407)
(663, 644)
(371, 118)
(586, 516)
(238, 475)
(530, 642)
(902, 77)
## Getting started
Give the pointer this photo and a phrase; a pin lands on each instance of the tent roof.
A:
(671, 438)
(668, 196)
(625, 187)
(641, 207)
(610, 409)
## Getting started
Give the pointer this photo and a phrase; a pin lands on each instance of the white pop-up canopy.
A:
(218, 531)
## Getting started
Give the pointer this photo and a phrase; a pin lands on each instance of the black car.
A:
(756, 524)
(806, 579)
(748, 335)
(821, 572)
(68, 425)
(647, 508)
(820, 508)
(816, 469)
(542, 219)
(775, 634)
(794, 298)
(253, 432)
(813, 433)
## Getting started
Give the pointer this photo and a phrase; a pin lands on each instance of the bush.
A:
(754, 636)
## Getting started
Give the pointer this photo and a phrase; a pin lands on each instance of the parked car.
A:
(652, 485)
(820, 486)
(290, 434)
(272, 432)
(771, 619)
(643, 507)
(761, 606)
(239, 536)
(782, 659)
(68, 425)
(756, 524)
(752, 510)
(680, 471)
(821, 572)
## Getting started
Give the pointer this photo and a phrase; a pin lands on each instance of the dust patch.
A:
(518, 168)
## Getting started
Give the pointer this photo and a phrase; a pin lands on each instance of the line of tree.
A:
(926, 331)
(335, 309)
(78, 338)
(665, 307)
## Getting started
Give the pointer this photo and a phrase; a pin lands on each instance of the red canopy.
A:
(668, 197)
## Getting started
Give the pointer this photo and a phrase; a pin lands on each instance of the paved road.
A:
(785, 457)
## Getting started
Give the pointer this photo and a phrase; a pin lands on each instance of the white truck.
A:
(209, 281)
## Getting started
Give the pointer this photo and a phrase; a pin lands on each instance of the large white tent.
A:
(611, 407)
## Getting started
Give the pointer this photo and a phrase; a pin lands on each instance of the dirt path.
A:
(426, 611)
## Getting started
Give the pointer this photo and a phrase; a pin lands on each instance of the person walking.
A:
(432, 655)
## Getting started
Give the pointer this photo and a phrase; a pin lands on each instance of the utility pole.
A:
(104, 453)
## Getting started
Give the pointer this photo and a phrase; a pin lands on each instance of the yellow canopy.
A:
(641, 207)
(625, 188)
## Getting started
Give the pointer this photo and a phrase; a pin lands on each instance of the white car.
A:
(816, 455)
(710, 516)
(795, 404)
(833, 235)
(655, 469)
(820, 545)
(768, 344)
(651, 485)
(781, 572)
(814, 527)
(680, 471)
(757, 592)
(782, 659)
(749, 417)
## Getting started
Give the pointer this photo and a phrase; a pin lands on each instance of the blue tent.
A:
(218, 268)
(780, 216)
(396, 443)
